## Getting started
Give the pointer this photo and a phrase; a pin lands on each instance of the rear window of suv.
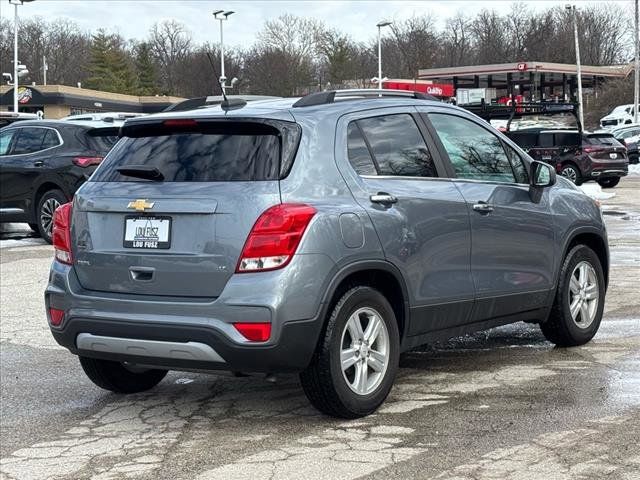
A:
(600, 139)
(210, 152)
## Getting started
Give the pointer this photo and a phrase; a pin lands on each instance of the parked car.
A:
(578, 156)
(622, 114)
(632, 152)
(7, 118)
(323, 235)
(629, 136)
(43, 163)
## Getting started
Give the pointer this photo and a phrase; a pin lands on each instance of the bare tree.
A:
(171, 44)
(416, 45)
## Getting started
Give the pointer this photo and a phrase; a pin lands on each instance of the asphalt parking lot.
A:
(500, 404)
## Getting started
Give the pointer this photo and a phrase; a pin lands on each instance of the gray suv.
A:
(323, 235)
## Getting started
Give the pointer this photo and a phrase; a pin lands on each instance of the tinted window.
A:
(475, 153)
(210, 156)
(29, 140)
(524, 139)
(50, 139)
(397, 146)
(5, 140)
(604, 139)
(545, 140)
(566, 139)
(358, 153)
(519, 169)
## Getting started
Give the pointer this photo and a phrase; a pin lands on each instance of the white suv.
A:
(620, 115)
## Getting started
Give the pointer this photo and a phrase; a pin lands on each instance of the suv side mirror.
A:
(541, 175)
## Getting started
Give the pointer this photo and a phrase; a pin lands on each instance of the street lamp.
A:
(15, 4)
(380, 25)
(222, 16)
(636, 82)
(572, 9)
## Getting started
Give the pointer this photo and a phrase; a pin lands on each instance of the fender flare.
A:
(359, 266)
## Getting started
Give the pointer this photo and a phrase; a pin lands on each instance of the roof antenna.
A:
(226, 104)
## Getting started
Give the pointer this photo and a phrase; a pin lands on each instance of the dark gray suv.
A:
(323, 235)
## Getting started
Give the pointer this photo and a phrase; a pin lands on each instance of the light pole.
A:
(222, 17)
(380, 25)
(15, 4)
(636, 89)
(572, 9)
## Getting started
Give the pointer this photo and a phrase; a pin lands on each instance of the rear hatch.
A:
(168, 211)
(603, 148)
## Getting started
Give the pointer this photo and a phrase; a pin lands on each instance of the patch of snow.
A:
(634, 170)
(595, 191)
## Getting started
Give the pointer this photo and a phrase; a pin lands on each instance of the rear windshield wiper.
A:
(142, 171)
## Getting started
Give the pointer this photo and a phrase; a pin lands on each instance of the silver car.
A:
(323, 235)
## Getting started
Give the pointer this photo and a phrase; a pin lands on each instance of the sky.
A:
(133, 18)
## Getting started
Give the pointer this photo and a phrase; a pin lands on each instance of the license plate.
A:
(613, 156)
(147, 232)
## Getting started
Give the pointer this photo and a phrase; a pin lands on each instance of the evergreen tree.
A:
(110, 68)
(146, 70)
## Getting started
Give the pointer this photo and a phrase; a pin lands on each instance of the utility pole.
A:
(636, 89)
(572, 9)
(45, 67)
(380, 25)
(15, 58)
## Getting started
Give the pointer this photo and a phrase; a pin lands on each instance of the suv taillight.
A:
(61, 236)
(592, 149)
(275, 237)
(87, 161)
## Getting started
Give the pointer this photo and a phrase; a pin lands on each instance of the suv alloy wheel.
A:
(46, 206)
(571, 172)
(356, 361)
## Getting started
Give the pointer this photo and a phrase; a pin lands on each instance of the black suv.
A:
(579, 156)
(43, 163)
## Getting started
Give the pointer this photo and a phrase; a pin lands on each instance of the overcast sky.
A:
(133, 18)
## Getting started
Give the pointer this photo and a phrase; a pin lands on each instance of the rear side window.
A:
(358, 151)
(29, 140)
(50, 139)
(214, 152)
(567, 139)
(397, 146)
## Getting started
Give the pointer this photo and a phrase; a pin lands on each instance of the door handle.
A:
(38, 163)
(383, 198)
(483, 207)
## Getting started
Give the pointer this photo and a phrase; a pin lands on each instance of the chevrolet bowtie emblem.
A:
(140, 205)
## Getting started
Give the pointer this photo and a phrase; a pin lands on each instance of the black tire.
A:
(560, 328)
(609, 182)
(572, 172)
(323, 381)
(44, 216)
(34, 227)
(115, 377)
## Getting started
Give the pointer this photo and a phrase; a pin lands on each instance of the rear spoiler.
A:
(519, 110)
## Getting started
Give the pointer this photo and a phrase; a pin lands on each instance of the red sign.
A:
(522, 67)
(435, 89)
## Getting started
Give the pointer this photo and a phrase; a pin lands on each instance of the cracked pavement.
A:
(499, 404)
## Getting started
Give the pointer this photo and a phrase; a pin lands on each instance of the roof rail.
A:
(329, 96)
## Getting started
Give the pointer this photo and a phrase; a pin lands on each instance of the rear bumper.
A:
(603, 170)
(179, 333)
